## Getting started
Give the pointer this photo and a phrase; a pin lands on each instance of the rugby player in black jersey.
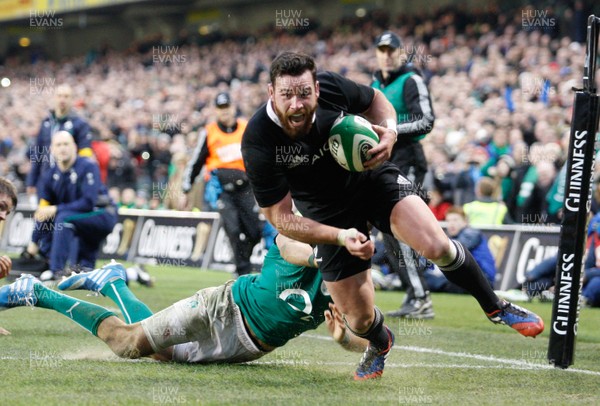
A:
(286, 156)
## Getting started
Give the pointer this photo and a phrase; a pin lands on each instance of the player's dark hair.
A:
(7, 188)
(294, 64)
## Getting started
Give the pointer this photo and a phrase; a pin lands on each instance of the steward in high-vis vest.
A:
(227, 189)
(403, 86)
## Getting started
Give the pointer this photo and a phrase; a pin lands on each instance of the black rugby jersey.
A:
(276, 164)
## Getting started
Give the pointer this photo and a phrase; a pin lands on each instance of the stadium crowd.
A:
(501, 86)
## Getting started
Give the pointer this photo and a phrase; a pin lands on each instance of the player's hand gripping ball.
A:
(5, 266)
(350, 140)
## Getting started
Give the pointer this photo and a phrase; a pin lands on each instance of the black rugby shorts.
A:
(371, 203)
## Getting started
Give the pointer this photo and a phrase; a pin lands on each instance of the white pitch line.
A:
(512, 363)
(404, 366)
(490, 358)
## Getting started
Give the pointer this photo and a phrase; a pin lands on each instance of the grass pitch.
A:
(456, 359)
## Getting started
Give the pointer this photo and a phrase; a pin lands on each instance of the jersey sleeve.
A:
(418, 103)
(83, 135)
(45, 189)
(344, 94)
(267, 180)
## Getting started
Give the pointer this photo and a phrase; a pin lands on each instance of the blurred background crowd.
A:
(501, 90)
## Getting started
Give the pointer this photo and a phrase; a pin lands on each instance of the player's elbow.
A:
(127, 348)
(128, 351)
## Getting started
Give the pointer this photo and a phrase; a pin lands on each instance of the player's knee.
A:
(437, 249)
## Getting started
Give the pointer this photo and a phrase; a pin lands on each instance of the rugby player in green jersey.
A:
(236, 322)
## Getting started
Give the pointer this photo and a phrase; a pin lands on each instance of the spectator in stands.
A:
(160, 158)
(540, 279)
(591, 284)
(498, 147)
(471, 160)
(141, 200)
(121, 172)
(74, 206)
(522, 164)
(115, 195)
(555, 197)
(532, 206)
(227, 186)
(468, 68)
(439, 203)
(460, 229)
(474, 241)
(174, 199)
(62, 118)
(101, 149)
(591, 274)
(155, 203)
(486, 210)
(502, 173)
(128, 196)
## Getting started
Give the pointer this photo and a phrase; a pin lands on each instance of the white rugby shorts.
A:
(206, 327)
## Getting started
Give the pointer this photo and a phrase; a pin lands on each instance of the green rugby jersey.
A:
(283, 301)
(394, 92)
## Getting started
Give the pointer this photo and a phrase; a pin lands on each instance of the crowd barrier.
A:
(170, 238)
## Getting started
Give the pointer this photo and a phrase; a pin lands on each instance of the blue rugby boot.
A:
(94, 280)
(373, 360)
(19, 293)
(524, 321)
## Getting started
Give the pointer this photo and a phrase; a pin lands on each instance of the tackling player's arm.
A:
(381, 112)
(339, 332)
(311, 232)
(5, 266)
(296, 252)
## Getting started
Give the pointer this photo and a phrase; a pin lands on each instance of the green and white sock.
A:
(87, 315)
(132, 308)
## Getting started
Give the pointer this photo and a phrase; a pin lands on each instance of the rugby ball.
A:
(350, 140)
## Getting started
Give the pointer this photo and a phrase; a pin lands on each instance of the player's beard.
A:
(295, 131)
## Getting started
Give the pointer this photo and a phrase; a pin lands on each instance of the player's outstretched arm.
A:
(339, 332)
(309, 231)
(5, 266)
(295, 252)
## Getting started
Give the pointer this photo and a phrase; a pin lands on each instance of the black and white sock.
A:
(376, 334)
(466, 273)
